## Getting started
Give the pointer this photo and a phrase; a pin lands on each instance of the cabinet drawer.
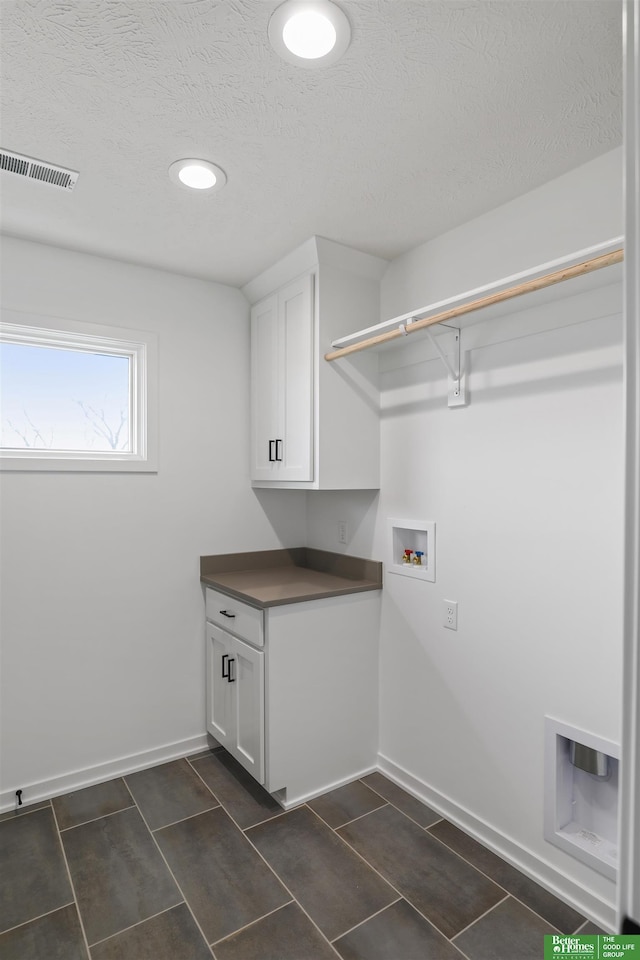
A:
(236, 617)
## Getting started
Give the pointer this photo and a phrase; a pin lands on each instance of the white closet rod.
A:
(411, 323)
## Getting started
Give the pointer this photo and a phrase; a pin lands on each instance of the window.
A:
(76, 396)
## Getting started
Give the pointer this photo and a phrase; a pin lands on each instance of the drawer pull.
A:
(225, 613)
(231, 678)
(279, 446)
(271, 456)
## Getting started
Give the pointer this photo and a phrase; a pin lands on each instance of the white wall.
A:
(581, 208)
(525, 486)
(102, 610)
(102, 633)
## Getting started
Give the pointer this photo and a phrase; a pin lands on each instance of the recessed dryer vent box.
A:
(418, 537)
(581, 795)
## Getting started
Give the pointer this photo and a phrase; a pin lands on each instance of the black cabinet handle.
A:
(271, 456)
(225, 676)
(230, 678)
(279, 451)
(229, 616)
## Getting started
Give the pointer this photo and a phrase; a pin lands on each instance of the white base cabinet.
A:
(235, 672)
(297, 707)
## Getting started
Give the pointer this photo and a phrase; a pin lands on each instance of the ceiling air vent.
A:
(33, 169)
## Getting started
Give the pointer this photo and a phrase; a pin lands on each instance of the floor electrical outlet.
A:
(450, 614)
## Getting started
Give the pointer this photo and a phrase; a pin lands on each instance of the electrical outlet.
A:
(450, 614)
(342, 531)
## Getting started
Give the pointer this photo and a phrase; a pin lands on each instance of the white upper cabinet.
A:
(282, 384)
(314, 425)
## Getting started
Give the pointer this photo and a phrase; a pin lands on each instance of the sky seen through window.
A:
(63, 399)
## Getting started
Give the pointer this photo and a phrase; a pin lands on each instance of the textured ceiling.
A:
(439, 110)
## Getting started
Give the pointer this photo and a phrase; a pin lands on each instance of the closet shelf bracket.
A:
(457, 392)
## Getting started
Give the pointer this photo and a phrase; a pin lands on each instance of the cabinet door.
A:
(282, 389)
(295, 307)
(265, 388)
(220, 717)
(247, 681)
(235, 698)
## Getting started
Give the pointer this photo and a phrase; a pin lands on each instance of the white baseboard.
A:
(287, 803)
(600, 911)
(101, 772)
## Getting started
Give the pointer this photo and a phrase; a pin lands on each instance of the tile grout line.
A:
(470, 864)
(360, 857)
(401, 896)
(39, 917)
(584, 923)
(228, 812)
(37, 805)
(388, 882)
(353, 820)
(217, 799)
(197, 772)
(243, 832)
(278, 815)
(281, 813)
(112, 813)
(280, 880)
(132, 926)
(430, 922)
(73, 888)
(499, 885)
(485, 914)
(366, 920)
(427, 829)
(588, 920)
(174, 823)
(386, 802)
(245, 926)
(463, 955)
(171, 873)
(392, 804)
(193, 770)
(580, 926)
(209, 752)
(259, 823)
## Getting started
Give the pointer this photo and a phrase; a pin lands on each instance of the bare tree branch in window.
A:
(101, 427)
(30, 441)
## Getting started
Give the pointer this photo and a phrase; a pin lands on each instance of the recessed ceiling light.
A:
(197, 174)
(309, 33)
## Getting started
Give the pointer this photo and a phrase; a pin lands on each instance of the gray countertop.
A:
(271, 578)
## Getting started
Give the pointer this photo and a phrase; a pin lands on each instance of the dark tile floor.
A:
(192, 860)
